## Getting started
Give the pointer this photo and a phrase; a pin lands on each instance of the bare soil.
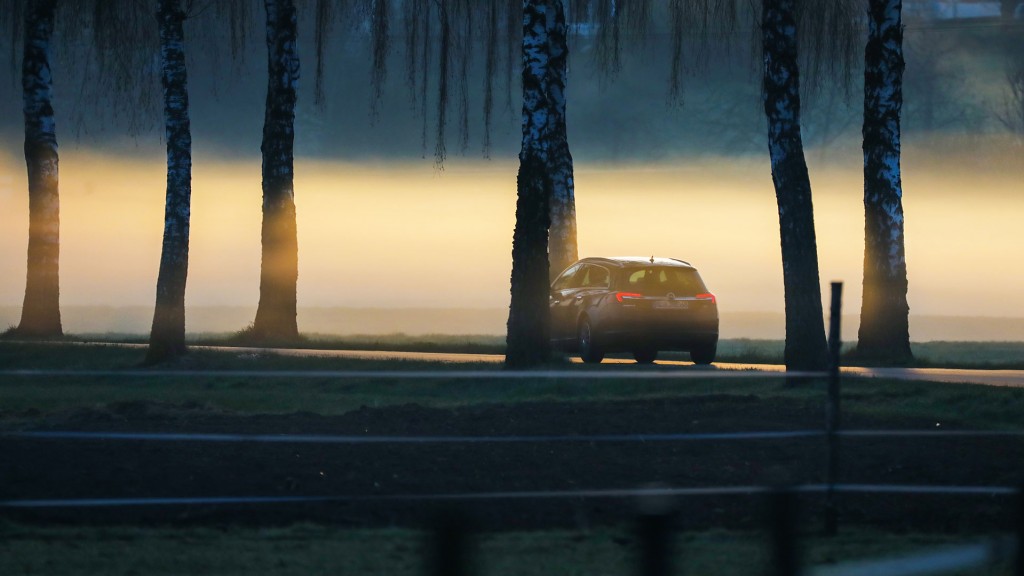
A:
(37, 469)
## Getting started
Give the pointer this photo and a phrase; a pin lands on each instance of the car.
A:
(633, 304)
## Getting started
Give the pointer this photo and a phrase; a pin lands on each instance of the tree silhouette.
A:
(527, 340)
(805, 329)
(167, 337)
(40, 312)
(562, 243)
(884, 317)
(276, 313)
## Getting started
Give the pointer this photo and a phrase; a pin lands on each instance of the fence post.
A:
(448, 554)
(1018, 569)
(654, 532)
(832, 411)
(782, 514)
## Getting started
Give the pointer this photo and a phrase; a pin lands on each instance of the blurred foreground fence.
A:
(451, 531)
(452, 546)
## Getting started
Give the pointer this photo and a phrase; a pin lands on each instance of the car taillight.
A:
(620, 296)
(706, 297)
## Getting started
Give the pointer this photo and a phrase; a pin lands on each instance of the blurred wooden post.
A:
(1018, 569)
(654, 532)
(450, 546)
(782, 514)
(832, 410)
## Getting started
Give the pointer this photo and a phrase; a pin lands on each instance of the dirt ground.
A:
(35, 468)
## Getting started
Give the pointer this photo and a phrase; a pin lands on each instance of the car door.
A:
(563, 292)
(593, 282)
(584, 291)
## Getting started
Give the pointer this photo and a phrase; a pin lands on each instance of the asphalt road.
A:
(1008, 378)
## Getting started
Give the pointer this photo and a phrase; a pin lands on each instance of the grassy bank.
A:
(28, 397)
(938, 354)
(309, 549)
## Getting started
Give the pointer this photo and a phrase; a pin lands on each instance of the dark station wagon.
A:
(632, 304)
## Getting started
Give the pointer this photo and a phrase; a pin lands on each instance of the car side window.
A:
(583, 278)
(597, 277)
(579, 278)
(562, 282)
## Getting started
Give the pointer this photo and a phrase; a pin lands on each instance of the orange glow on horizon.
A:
(401, 235)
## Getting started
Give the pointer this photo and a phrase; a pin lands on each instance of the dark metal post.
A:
(450, 546)
(1018, 569)
(832, 410)
(782, 510)
(654, 531)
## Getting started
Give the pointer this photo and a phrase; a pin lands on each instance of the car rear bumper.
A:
(629, 330)
(627, 341)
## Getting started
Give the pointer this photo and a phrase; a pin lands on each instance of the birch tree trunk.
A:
(167, 338)
(40, 312)
(276, 314)
(562, 247)
(527, 340)
(884, 315)
(805, 328)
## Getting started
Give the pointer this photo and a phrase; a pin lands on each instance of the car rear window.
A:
(659, 281)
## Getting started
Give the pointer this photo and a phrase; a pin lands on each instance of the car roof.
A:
(636, 261)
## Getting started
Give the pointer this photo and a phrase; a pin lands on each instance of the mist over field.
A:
(381, 229)
(338, 321)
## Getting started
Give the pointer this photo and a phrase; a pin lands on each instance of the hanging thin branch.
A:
(11, 18)
(444, 55)
(608, 49)
(677, 13)
(830, 34)
(425, 68)
(380, 31)
(491, 40)
(464, 14)
(323, 24)
(414, 18)
(513, 34)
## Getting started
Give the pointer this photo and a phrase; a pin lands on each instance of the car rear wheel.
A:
(589, 351)
(645, 355)
(704, 354)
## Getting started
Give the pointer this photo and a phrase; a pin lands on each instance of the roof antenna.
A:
(652, 258)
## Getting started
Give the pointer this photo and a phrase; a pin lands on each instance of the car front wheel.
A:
(589, 351)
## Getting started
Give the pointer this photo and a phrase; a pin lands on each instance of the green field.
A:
(934, 354)
(25, 397)
(310, 549)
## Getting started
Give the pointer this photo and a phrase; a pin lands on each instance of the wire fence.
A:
(654, 526)
(504, 439)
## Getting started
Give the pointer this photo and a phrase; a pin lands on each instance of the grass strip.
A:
(25, 399)
(313, 549)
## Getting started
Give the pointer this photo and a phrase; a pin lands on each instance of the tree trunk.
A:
(562, 249)
(279, 273)
(40, 313)
(167, 339)
(884, 332)
(805, 329)
(527, 340)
